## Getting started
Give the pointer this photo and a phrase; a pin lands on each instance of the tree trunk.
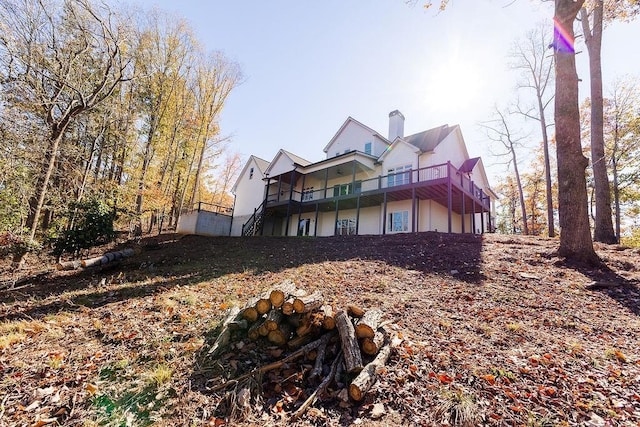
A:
(575, 235)
(603, 230)
(547, 169)
(42, 191)
(523, 208)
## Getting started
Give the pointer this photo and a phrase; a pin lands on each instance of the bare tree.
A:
(531, 56)
(59, 61)
(498, 131)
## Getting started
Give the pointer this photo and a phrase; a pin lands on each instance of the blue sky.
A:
(310, 65)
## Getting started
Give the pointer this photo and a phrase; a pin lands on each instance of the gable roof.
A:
(261, 163)
(396, 142)
(344, 125)
(469, 164)
(429, 139)
(296, 159)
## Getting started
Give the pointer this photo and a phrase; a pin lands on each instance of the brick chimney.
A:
(396, 125)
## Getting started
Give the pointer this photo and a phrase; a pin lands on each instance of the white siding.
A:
(400, 155)
(249, 191)
(353, 137)
(281, 164)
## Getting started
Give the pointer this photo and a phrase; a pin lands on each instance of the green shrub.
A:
(92, 225)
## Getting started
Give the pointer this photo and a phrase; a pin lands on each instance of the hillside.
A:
(496, 330)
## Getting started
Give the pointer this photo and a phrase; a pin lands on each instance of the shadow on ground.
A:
(194, 259)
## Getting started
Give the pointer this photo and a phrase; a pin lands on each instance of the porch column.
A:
(358, 215)
(279, 187)
(384, 214)
(413, 210)
(315, 226)
(326, 181)
(481, 212)
(293, 175)
(264, 206)
(335, 224)
(353, 177)
(473, 218)
(489, 213)
(300, 205)
(449, 195)
(463, 213)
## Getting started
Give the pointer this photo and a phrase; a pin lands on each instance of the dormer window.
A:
(251, 173)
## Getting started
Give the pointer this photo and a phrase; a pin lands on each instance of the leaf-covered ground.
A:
(496, 329)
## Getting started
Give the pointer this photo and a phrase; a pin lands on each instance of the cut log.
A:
(305, 327)
(299, 341)
(263, 306)
(287, 308)
(69, 265)
(262, 330)
(307, 303)
(273, 319)
(355, 311)
(319, 362)
(370, 346)
(275, 365)
(225, 333)
(107, 258)
(365, 379)
(321, 389)
(367, 325)
(328, 322)
(349, 343)
(250, 313)
(277, 298)
(254, 331)
(297, 319)
(281, 335)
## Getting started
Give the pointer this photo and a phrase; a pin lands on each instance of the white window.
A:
(398, 222)
(367, 148)
(346, 227)
(347, 150)
(398, 176)
(251, 173)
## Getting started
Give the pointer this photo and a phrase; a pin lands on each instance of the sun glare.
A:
(454, 84)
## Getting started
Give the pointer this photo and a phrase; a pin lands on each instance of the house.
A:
(367, 184)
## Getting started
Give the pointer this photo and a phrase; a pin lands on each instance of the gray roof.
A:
(262, 164)
(428, 140)
(297, 159)
(469, 164)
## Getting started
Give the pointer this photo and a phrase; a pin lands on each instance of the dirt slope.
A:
(497, 331)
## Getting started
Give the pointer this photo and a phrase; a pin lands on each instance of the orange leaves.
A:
(491, 379)
(620, 356)
(443, 378)
(547, 391)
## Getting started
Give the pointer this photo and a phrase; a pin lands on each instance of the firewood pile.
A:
(286, 349)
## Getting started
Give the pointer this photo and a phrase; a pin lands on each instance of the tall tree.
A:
(59, 61)
(575, 235)
(592, 17)
(530, 55)
(622, 130)
(603, 227)
(498, 131)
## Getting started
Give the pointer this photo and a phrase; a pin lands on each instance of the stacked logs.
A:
(350, 343)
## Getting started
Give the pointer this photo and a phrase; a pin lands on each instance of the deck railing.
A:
(398, 179)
